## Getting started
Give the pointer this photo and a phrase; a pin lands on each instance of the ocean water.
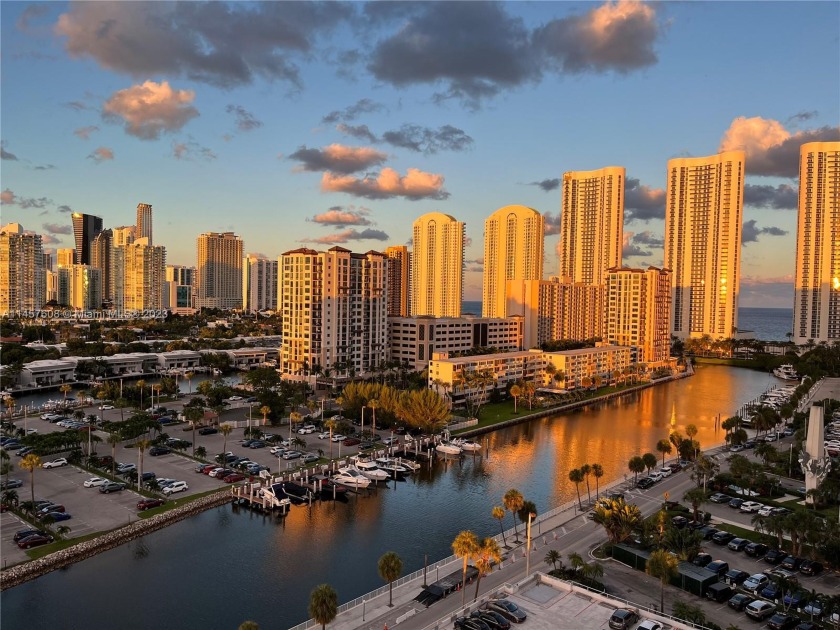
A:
(768, 324)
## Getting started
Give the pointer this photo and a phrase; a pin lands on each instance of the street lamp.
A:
(531, 516)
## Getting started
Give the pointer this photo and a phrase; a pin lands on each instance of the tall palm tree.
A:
(141, 445)
(691, 432)
(193, 415)
(486, 555)
(618, 518)
(465, 546)
(113, 440)
(663, 566)
(552, 557)
(499, 514)
(650, 461)
(31, 462)
(189, 377)
(513, 501)
(576, 477)
(65, 389)
(332, 425)
(515, 393)
(265, 410)
(323, 604)
(636, 466)
(390, 568)
(373, 404)
(141, 385)
(664, 447)
(10, 405)
(225, 430)
(294, 418)
(586, 470)
(597, 472)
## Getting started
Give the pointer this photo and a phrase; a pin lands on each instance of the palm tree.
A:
(513, 501)
(576, 561)
(141, 385)
(618, 518)
(265, 410)
(31, 462)
(294, 418)
(650, 461)
(373, 404)
(141, 445)
(695, 496)
(62, 530)
(193, 416)
(499, 513)
(390, 568)
(553, 557)
(225, 430)
(664, 447)
(576, 477)
(10, 405)
(691, 432)
(323, 604)
(636, 466)
(515, 392)
(586, 470)
(663, 566)
(597, 472)
(113, 440)
(65, 389)
(10, 497)
(465, 546)
(488, 553)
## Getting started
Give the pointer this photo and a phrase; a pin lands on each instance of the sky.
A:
(315, 124)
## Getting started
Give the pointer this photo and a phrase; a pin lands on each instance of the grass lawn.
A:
(172, 504)
(749, 534)
(40, 552)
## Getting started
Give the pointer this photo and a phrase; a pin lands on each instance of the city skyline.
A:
(258, 143)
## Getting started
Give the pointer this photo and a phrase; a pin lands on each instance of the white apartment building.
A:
(259, 283)
(414, 340)
(437, 266)
(48, 372)
(23, 280)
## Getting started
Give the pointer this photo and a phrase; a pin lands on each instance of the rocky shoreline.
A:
(26, 571)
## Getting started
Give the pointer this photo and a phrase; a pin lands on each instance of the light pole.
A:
(531, 516)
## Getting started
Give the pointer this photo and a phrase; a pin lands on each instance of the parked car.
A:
(292, 454)
(351, 441)
(756, 550)
(650, 624)
(792, 563)
(708, 532)
(233, 477)
(10, 484)
(25, 533)
(655, 476)
(722, 537)
(645, 482)
(508, 610)
(55, 463)
(736, 577)
(126, 468)
(748, 507)
(111, 486)
(665, 471)
(736, 503)
(306, 429)
(811, 567)
(337, 437)
(795, 599)
(774, 556)
(782, 621)
(57, 517)
(759, 610)
(148, 504)
(738, 544)
(772, 591)
(178, 486)
(721, 567)
(740, 601)
(467, 623)
(310, 458)
(277, 450)
(207, 430)
(815, 607)
(34, 540)
(492, 619)
(702, 559)
(719, 497)
(258, 444)
(159, 450)
(95, 482)
(623, 619)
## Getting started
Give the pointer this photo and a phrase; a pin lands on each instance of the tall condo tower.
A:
(144, 221)
(703, 217)
(437, 266)
(100, 258)
(399, 277)
(259, 283)
(592, 224)
(219, 274)
(513, 250)
(816, 306)
(85, 229)
(23, 280)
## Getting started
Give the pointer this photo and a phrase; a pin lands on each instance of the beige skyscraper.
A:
(66, 257)
(218, 282)
(84, 286)
(100, 258)
(144, 276)
(144, 221)
(592, 224)
(816, 306)
(437, 266)
(259, 283)
(513, 251)
(23, 285)
(121, 237)
(399, 279)
(703, 219)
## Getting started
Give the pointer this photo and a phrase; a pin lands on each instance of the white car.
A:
(178, 486)
(306, 429)
(755, 582)
(324, 435)
(649, 624)
(751, 506)
(275, 449)
(338, 437)
(655, 476)
(56, 463)
(766, 511)
(235, 398)
(94, 482)
(106, 407)
(665, 471)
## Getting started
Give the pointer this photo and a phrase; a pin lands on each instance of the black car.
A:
(708, 531)
(774, 556)
(159, 450)
(493, 619)
(738, 544)
(207, 430)
(468, 623)
(25, 533)
(721, 567)
(148, 476)
(508, 610)
(736, 577)
(645, 483)
(782, 621)
(792, 563)
(756, 550)
(811, 567)
(736, 503)
(679, 522)
(723, 537)
(702, 559)
(740, 601)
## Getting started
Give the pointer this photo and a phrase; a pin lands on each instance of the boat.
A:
(276, 495)
(351, 478)
(394, 467)
(467, 445)
(369, 469)
(448, 448)
(786, 372)
(294, 491)
(329, 487)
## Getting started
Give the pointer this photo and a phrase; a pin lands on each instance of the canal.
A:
(224, 566)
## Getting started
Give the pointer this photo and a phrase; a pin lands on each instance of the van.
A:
(719, 592)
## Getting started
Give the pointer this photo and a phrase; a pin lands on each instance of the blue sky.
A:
(312, 124)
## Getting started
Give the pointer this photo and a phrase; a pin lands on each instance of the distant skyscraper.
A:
(85, 228)
(816, 306)
(22, 275)
(219, 271)
(259, 283)
(399, 279)
(48, 261)
(144, 221)
(704, 200)
(121, 237)
(66, 257)
(145, 273)
(100, 258)
(179, 294)
(179, 274)
(437, 266)
(592, 224)
(84, 288)
(513, 250)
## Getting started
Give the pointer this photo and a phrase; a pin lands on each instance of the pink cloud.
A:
(338, 216)
(416, 184)
(101, 154)
(150, 108)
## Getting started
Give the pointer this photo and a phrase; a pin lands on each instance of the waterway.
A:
(224, 566)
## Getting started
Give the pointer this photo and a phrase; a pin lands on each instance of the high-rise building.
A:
(592, 224)
(48, 261)
(639, 313)
(816, 306)
(334, 307)
(81, 287)
(218, 282)
(144, 276)
(22, 274)
(66, 257)
(437, 266)
(85, 228)
(52, 287)
(100, 258)
(399, 280)
(513, 251)
(144, 222)
(179, 290)
(121, 237)
(259, 283)
(179, 274)
(704, 199)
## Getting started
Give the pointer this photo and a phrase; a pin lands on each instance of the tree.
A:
(663, 566)
(31, 462)
(576, 477)
(390, 568)
(323, 604)
(65, 389)
(636, 466)
(225, 430)
(465, 546)
(499, 514)
(424, 409)
(552, 557)
(141, 385)
(201, 452)
(650, 461)
(265, 410)
(141, 445)
(691, 432)
(664, 447)
(695, 496)
(597, 472)
(685, 542)
(618, 518)
(62, 530)
(194, 415)
(487, 554)
(513, 501)
(189, 377)
(515, 392)
(113, 440)
(586, 470)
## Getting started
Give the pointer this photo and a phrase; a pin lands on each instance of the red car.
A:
(209, 468)
(352, 441)
(234, 477)
(34, 541)
(148, 504)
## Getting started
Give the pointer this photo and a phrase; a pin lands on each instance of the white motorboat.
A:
(351, 477)
(369, 469)
(393, 467)
(448, 448)
(467, 445)
(786, 372)
(276, 494)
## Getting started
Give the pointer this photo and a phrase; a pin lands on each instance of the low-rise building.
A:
(48, 372)
(178, 359)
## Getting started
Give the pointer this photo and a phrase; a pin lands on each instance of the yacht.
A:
(467, 445)
(369, 469)
(351, 477)
(448, 448)
(786, 372)
(277, 495)
(393, 467)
